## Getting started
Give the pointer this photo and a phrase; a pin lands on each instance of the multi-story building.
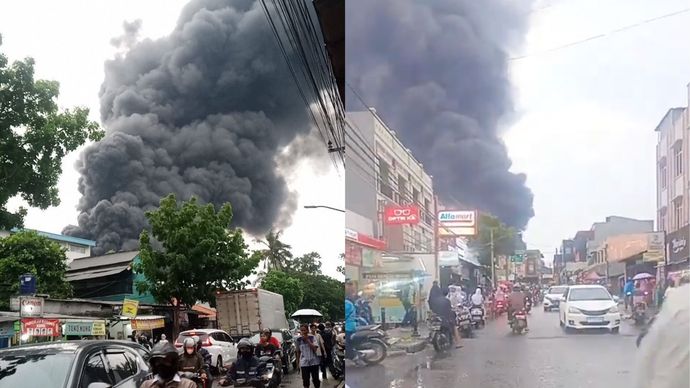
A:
(75, 248)
(386, 175)
(673, 184)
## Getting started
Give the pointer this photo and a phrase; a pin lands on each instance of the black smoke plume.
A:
(437, 72)
(205, 111)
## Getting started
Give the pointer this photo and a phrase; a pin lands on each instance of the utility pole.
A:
(493, 264)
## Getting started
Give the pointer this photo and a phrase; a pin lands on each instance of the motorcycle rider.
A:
(440, 305)
(351, 322)
(164, 361)
(191, 361)
(205, 355)
(267, 347)
(247, 366)
(516, 302)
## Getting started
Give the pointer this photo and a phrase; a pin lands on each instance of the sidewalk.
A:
(402, 340)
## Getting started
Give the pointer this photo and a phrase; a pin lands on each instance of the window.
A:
(678, 160)
(77, 248)
(678, 213)
(122, 366)
(662, 221)
(663, 172)
(384, 179)
(94, 372)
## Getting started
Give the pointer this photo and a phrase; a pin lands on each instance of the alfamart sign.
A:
(457, 223)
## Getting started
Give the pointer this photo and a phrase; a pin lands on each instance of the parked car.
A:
(588, 307)
(222, 347)
(552, 297)
(75, 364)
(287, 344)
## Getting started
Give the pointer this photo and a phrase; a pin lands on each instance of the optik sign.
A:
(401, 215)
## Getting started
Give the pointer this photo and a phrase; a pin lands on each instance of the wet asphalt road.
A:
(546, 357)
(294, 380)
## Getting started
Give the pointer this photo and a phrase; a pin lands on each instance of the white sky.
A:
(70, 40)
(586, 133)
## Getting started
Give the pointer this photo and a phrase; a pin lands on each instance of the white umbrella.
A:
(643, 275)
(306, 313)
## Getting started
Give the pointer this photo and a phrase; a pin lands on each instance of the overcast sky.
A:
(585, 135)
(70, 40)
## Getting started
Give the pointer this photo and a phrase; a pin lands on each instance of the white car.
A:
(589, 307)
(221, 346)
(553, 296)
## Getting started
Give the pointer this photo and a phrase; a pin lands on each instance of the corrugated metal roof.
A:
(102, 261)
(96, 273)
(59, 237)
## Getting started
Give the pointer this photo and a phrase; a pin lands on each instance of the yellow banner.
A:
(130, 307)
(148, 324)
(98, 328)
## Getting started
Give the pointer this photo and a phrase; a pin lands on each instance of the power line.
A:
(603, 35)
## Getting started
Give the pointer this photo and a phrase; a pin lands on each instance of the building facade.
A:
(673, 184)
(75, 248)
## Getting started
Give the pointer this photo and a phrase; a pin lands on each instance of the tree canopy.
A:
(505, 239)
(27, 252)
(286, 285)
(199, 254)
(34, 138)
(277, 254)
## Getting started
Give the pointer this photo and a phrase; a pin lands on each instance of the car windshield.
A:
(181, 338)
(593, 293)
(23, 369)
(556, 290)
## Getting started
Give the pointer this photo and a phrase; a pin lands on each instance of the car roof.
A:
(68, 346)
(587, 286)
(204, 331)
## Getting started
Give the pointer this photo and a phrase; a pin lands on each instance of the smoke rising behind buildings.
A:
(205, 111)
(437, 72)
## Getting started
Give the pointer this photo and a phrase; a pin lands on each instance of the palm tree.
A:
(277, 254)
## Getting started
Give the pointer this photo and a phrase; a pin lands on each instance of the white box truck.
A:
(246, 312)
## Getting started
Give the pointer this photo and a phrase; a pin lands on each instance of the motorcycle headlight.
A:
(381, 333)
(613, 309)
(573, 310)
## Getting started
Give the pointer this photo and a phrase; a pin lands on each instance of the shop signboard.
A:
(7, 329)
(401, 215)
(655, 247)
(448, 258)
(41, 327)
(84, 328)
(457, 223)
(30, 306)
(353, 254)
(679, 244)
(148, 324)
(130, 308)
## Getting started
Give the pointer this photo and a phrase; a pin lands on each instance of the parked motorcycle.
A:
(519, 322)
(337, 367)
(477, 316)
(440, 336)
(371, 343)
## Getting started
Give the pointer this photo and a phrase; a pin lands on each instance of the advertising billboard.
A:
(41, 327)
(401, 215)
(457, 223)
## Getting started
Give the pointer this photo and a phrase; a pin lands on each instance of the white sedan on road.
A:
(589, 307)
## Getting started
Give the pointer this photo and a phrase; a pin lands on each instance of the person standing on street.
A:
(308, 357)
(322, 347)
(328, 342)
(664, 354)
(628, 291)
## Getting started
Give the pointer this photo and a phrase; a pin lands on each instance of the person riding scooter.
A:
(267, 347)
(205, 356)
(516, 302)
(164, 361)
(191, 361)
(247, 366)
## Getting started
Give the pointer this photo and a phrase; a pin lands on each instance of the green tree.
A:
(27, 252)
(34, 137)
(505, 239)
(277, 254)
(341, 268)
(199, 254)
(308, 263)
(324, 294)
(286, 285)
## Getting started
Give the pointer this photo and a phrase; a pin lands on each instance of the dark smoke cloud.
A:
(205, 111)
(437, 72)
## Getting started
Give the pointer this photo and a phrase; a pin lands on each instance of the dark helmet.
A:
(163, 350)
(517, 288)
(245, 343)
(189, 343)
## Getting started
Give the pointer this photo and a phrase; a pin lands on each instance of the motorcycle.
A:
(371, 343)
(500, 307)
(528, 305)
(519, 322)
(195, 377)
(463, 320)
(440, 336)
(477, 316)
(272, 375)
(640, 313)
(337, 367)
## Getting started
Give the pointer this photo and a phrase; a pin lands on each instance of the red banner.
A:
(353, 254)
(41, 327)
(401, 215)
